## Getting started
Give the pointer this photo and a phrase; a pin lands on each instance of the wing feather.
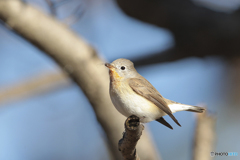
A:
(145, 89)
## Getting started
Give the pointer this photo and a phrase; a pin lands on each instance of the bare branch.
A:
(75, 16)
(80, 60)
(197, 31)
(133, 132)
(71, 19)
(33, 86)
(204, 136)
(61, 2)
(52, 7)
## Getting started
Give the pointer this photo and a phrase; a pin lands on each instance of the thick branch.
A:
(133, 132)
(204, 136)
(198, 31)
(77, 57)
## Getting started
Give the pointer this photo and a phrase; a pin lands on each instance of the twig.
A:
(133, 132)
(69, 20)
(204, 136)
(75, 16)
(52, 7)
(61, 2)
(33, 86)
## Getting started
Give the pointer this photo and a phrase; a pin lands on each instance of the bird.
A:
(132, 94)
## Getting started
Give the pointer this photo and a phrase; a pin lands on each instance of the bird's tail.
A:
(176, 107)
(195, 109)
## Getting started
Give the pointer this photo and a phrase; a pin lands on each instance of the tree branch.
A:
(133, 132)
(75, 16)
(168, 55)
(204, 136)
(33, 86)
(198, 31)
(51, 7)
(80, 60)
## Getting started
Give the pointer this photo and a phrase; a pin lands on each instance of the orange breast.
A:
(115, 78)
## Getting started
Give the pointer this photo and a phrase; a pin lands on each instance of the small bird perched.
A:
(132, 94)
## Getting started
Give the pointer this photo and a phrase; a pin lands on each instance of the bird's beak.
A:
(108, 65)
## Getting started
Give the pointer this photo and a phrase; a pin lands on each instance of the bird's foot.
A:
(132, 122)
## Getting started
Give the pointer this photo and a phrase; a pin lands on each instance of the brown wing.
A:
(145, 89)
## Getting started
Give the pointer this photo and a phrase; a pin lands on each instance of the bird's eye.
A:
(122, 68)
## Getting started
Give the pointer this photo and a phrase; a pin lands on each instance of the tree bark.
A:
(204, 136)
(78, 58)
(133, 132)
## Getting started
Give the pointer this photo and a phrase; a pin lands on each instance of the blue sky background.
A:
(59, 124)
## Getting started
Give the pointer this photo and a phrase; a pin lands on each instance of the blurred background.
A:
(47, 122)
